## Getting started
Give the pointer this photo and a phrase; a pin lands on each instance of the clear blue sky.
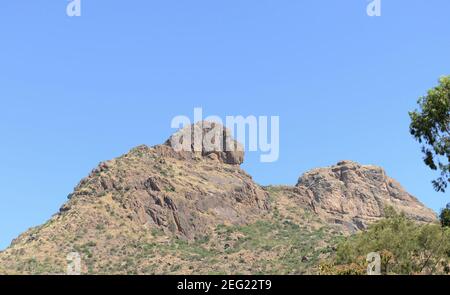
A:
(76, 91)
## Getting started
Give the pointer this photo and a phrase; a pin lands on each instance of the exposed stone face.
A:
(185, 197)
(207, 139)
(355, 195)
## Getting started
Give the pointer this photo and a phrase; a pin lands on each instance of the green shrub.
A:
(405, 246)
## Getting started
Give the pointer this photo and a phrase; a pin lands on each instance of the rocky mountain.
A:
(162, 209)
(356, 195)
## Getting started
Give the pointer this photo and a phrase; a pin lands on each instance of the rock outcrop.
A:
(207, 139)
(356, 195)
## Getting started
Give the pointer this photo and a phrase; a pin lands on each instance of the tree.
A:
(445, 216)
(430, 125)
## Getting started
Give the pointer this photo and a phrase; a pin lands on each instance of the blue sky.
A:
(76, 91)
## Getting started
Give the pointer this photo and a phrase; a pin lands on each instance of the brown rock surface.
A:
(184, 196)
(355, 195)
(207, 139)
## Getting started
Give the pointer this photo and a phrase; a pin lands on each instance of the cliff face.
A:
(163, 210)
(356, 195)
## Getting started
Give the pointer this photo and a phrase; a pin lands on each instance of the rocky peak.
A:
(184, 192)
(355, 194)
(207, 139)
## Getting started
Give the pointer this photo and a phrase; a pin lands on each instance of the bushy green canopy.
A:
(405, 246)
(430, 125)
